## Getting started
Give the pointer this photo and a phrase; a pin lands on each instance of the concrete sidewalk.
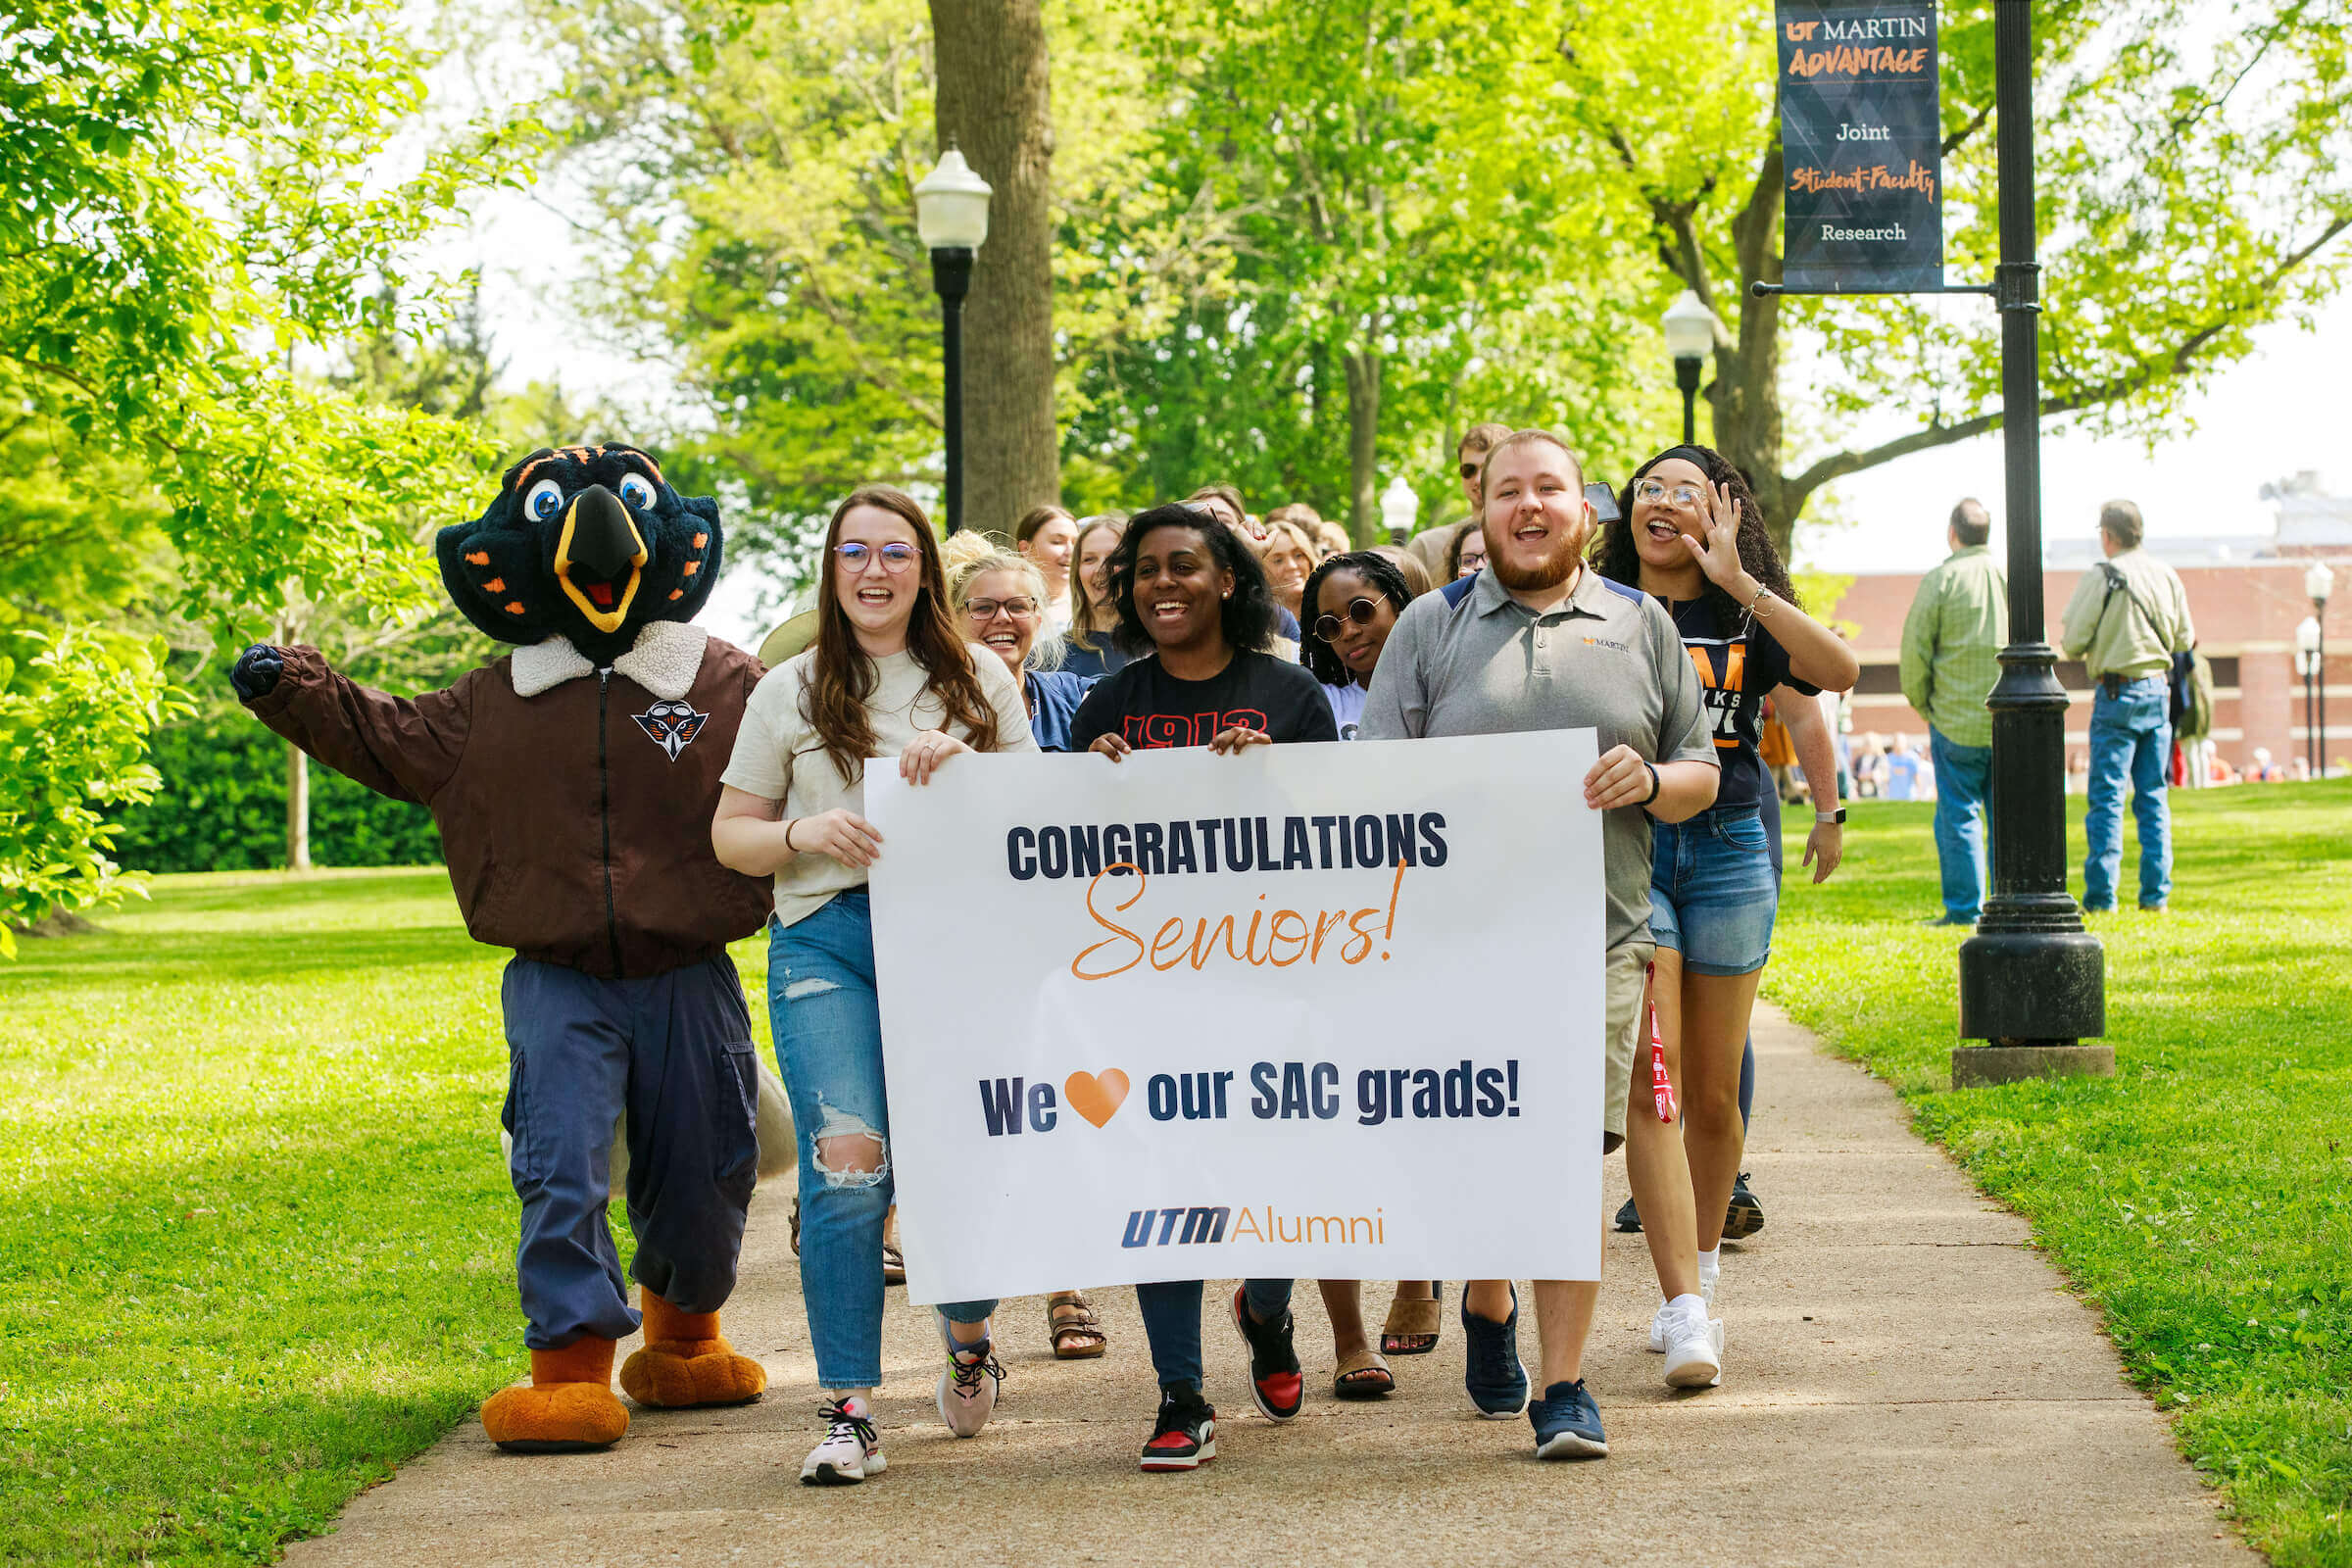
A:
(1905, 1380)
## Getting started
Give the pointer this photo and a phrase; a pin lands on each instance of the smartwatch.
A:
(1837, 817)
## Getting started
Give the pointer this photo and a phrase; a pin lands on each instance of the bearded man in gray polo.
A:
(1540, 640)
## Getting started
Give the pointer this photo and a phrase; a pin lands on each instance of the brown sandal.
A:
(893, 1262)
(1412, 1327)
(1077, 1336)
(1363, 1376)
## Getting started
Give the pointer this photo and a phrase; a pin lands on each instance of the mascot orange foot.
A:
(569, 1407)
(685, 1363)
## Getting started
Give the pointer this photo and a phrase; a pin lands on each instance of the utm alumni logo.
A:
(672, 725)
(1207, 1224)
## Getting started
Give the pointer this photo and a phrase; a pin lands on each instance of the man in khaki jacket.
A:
(2129, 616)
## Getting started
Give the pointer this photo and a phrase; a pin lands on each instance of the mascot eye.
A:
(544, 502)
(635, 492)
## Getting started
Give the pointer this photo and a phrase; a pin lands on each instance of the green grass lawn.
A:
(2202, 1198)
(255, 1237)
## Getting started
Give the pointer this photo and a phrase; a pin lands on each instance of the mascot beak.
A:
(600, 556)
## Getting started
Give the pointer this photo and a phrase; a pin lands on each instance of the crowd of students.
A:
(1194, 624)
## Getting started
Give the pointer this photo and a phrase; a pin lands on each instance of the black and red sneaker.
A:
(1186, 1437)
(1275, 1382)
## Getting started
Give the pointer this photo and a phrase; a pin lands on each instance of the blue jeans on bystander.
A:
(828, 1028)
(1963, 801)
(2130, 749)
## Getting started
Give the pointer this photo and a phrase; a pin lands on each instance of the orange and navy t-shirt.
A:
(1737, 668)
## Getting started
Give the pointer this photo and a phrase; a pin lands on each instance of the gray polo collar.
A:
(1590, 598)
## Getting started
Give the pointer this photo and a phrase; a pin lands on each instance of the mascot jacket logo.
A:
(672, 725)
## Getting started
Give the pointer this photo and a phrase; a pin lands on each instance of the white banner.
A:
(1347, 1026)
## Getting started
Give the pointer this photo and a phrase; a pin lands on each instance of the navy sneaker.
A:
(1276, 1382)
(1745, 1216)
(1628, 1217)
(1568, 1423)
(1490, 1368)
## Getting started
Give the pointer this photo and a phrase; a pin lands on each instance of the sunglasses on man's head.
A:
(896, 557)
(1360, 611)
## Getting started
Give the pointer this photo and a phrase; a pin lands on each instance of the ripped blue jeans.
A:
(828, 1029)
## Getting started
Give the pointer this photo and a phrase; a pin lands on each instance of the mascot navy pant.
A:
(674, 1053)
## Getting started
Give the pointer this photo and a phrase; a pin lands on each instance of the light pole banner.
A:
(1862, 147)
(1313, 1012)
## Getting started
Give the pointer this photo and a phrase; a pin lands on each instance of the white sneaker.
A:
(1657, 1319)
(967, 1388)
(852, 1449)
(1694, 1344)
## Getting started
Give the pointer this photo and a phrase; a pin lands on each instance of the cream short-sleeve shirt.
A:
(778, 757)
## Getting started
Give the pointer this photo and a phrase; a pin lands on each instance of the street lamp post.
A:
(2307, 665)
(951, 215)
(2316, 582)
(1690, 338)
(2032, 982)
(1398, 506)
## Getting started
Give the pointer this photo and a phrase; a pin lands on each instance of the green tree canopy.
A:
(193, 197)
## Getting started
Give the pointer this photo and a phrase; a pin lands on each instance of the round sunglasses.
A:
(1359, 611)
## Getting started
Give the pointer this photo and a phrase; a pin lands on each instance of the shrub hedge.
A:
(222, 808)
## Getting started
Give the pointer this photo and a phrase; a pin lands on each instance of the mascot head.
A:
(586, 543)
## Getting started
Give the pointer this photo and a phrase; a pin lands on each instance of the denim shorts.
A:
(1712, 895)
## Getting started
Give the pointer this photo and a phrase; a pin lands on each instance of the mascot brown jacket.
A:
(604, 869)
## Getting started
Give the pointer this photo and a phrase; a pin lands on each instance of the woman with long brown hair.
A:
(1045, 536)
(891, 677)
(1691, 535)
(1089, 649)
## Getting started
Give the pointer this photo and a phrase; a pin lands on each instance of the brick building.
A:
(2246, 595)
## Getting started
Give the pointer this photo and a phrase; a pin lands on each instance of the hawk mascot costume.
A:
(573, 783)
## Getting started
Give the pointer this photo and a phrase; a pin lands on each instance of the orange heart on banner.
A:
(1097, 1099)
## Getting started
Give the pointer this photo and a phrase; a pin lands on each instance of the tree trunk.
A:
(298, 809)
(993, 102)
(1745, 398)
(1363, 445)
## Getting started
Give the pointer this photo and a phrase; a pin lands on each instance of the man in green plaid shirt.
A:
(1952, 638)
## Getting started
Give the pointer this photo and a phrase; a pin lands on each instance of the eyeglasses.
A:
(1470, 471)
(896, 557)
(1470, 560)
(1680, 495)
(985, 610)
(1359, 611)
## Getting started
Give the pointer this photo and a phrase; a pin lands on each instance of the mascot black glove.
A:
(256, 671)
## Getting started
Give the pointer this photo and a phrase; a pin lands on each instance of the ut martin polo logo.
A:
(672, 725)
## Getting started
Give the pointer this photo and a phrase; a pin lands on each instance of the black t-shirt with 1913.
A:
(1153, 709)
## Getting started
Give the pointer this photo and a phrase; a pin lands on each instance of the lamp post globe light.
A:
(1690, 338)
(1398, 506)
(2318, 581)
(951, 215)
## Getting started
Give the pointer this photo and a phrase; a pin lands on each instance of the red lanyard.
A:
(1661, 1085)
